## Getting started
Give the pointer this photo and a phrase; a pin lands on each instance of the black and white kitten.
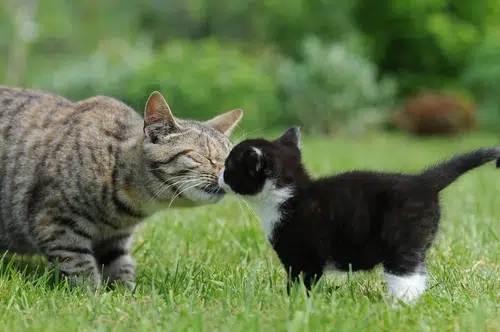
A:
(361, 218)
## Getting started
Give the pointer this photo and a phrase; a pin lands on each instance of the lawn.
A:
(210, 268)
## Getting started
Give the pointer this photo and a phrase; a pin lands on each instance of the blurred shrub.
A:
(203, 79)
(198, 79)
(335, 85)
(101, 72)
(424, 43)
(429, 113)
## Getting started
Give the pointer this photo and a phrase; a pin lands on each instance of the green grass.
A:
(209, 268)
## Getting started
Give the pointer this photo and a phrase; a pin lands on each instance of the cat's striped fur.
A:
(76, 178)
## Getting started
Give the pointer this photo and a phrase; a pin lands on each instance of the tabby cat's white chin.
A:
(202, 197)
(183, 201)
(193, 198)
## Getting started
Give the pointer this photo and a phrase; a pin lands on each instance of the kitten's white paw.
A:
(406, 288)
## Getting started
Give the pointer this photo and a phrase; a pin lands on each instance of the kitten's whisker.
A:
(243, 212)
(251, 209)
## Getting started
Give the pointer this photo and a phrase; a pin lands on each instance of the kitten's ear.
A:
(157, 110)
(225, 123)
(290, 137)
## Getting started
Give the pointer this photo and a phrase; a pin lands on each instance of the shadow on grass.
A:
(28, 265)
(36, 270)
(31, 268)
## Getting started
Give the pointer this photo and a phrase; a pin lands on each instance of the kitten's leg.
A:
(292, 278)
(118, 266)
(70, 249)
(406, 279)
(309, 278)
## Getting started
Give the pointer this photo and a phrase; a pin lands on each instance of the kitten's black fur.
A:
(361, 218)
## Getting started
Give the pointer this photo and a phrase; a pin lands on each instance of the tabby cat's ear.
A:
(157, 110)
(290, 137)
(225, 123)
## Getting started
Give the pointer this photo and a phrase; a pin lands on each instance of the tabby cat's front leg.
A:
(113, 255)
(70, 249)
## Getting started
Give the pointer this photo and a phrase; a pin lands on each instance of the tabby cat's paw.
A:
(121, 271)
(127, 284)
(90, 282)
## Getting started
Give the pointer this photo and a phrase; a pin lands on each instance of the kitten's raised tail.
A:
(443, 174)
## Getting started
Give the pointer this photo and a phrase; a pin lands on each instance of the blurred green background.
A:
(326, 65)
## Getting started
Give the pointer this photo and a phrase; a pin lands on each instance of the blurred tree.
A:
(276, 22)
(424, 43)
(94, 46)
(22, 14)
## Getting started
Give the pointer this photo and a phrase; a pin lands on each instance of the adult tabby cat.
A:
(76, 178)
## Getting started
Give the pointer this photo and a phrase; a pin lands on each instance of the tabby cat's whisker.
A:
(170, 185)
(182, 177)
(246, 134)
(181, 191)
(243, 212)
(164, 186)
(158, 189)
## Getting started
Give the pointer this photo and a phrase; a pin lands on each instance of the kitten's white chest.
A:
(267, 204)
(270, 217)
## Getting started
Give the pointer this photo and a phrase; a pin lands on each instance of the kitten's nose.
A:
(221, 174)
(221, 182)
